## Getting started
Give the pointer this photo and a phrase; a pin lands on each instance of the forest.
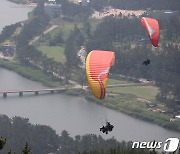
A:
(18, 135)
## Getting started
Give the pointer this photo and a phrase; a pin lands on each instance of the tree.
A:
(57, 40)
(10, 152)
(8, 31)
(82, 77)
(66, 143)
(87, 28)
(26, 149)
(2, 142)
(73, 44)
(41, 139)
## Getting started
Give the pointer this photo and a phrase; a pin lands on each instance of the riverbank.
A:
(29, 73)
(125, 103)
(19, 1)
(24, 3)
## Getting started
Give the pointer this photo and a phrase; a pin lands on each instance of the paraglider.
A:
(107, 128)
(152, 28)
(146, 62)
(98, 63)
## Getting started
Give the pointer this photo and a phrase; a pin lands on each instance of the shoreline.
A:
(28, 72)
(25, 3)
(18, 1)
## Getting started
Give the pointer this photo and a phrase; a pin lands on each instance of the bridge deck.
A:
(32, 90)
(52, 90)
(65, 88)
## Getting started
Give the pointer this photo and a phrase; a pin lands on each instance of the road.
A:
(82, 55)
(45, 32)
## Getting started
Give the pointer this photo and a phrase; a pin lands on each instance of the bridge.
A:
(35, 91)
(60, 89)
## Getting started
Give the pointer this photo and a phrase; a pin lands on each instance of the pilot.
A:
(107, 128)
(104, 129)
(146, 62)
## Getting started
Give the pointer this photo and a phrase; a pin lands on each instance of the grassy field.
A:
(129, 104)
(146, 92)
(114, 81)
(56, 52)
(65, 28)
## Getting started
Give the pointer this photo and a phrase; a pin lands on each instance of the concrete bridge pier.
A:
(36, 92)
(21, 94)
(52, 91)
(5, 95)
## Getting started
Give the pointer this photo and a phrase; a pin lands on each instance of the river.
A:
(11, 13)
(74, 114)
(62, 112)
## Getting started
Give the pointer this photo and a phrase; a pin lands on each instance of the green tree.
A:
(10, 152)
(66, 143)
(2, 142)
(26, 149)
(87, 28)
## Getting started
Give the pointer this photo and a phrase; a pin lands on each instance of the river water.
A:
(11, 13)
(62, 112)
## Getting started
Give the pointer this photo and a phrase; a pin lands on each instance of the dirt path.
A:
(45, 32)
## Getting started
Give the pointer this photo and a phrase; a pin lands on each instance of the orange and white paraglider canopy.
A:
(98, 63)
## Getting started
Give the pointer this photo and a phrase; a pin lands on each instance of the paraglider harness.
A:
(146, 62)
(107, 128)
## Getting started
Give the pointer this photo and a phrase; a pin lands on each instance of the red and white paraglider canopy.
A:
(152, 28)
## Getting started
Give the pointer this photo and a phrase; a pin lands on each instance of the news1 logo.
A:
(170, 145)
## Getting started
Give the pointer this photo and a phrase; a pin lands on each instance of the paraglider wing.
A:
(152, 28)
(98, 63)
